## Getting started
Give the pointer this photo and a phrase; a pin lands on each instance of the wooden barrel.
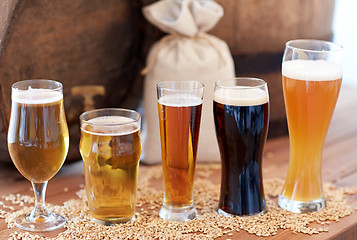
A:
(95, 48)
(256, 32)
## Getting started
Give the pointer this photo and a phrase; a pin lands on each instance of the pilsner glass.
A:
(180, 106)
(38, 144)
(312, 76)
(241, 114)
(111, 147)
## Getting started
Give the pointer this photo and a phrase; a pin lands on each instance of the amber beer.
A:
(241, 114)
(38, 134)
(110, 147)
(311, 77)
(310, 101)
(179, 119)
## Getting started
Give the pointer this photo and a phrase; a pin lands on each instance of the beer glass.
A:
(110, 146)
(241, 114)
(180, 106)
(311, 75)
(38, 144)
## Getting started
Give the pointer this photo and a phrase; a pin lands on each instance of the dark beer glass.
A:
(180, 106)
(241, 114)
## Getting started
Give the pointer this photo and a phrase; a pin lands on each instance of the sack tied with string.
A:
(186, 53)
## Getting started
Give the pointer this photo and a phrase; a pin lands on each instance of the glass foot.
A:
(225, 214)
(41, 223)
(111, 221)
(301, 207)
(178, 214)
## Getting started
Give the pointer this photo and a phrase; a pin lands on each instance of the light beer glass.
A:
(311, 75)
(180, 106)
(241, 114)
(110, 146)
(38, 144)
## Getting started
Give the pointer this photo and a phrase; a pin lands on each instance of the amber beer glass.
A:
(311, 75)
(241, 114)
(38, 144)
(111, 147)
(180, 106)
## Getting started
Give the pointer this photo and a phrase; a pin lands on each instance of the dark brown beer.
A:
(38, 134)
(241, 122)
(179, 117)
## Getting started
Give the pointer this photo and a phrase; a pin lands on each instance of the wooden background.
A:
(103, 45)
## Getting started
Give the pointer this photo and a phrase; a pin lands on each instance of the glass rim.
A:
(199, 85)
(82, 120)
(335, 47)
(262, 82)
(60, 85)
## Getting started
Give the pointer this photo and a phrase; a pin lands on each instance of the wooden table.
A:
(339, 166)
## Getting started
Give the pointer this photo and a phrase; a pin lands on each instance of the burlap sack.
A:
(187, 53)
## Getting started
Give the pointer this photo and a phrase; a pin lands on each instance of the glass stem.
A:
(40, 212)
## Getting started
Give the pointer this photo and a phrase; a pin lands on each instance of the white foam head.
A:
(36, 96)
(238, 96)
(111, 126)
(311, 70)
(180, 100)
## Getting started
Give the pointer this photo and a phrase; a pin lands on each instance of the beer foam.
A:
(111, 126)
(238, 96)
(36, 96)
(180, 100)
(312, 70)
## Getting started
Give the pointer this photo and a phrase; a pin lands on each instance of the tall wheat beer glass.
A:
(180, 105)
(241, 114)
(110, 147)
(312, 75)
(38, 144)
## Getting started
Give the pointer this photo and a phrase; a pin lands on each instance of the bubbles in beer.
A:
(244, 96)
(36, 96)
(311, 70)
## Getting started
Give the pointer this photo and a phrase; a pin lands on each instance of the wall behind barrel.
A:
(95, 48)
(256, 32)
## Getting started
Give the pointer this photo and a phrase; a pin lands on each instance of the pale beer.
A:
(38, 134)
(311, 79)
(38, 144)
(110, 147)
(311, 90)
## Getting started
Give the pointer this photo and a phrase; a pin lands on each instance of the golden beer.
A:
(38, 144)
(38, 135)
(311, 90)
(110, 147)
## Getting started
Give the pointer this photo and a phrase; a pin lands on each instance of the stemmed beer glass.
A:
(312, 76)
(38, 144)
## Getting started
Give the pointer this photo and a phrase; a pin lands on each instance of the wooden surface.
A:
(264, 26)
(339, 166)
